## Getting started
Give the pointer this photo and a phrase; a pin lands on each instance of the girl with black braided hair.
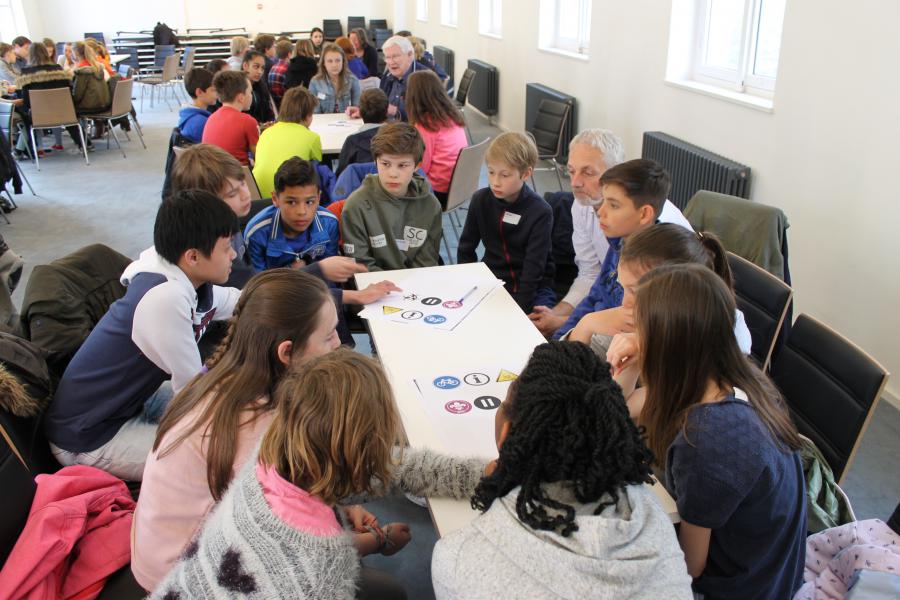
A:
(566, 511)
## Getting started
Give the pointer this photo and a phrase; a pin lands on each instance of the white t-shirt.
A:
(591, 245)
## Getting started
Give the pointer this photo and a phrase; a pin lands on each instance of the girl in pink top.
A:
(284, 318)
(442, 126)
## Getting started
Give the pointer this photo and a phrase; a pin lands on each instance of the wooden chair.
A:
(120, 108)
(831, 387)
(463, 183)
(54, 109)
(255, 194)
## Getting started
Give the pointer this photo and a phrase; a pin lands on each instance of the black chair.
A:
(764, 299)
(462, 90)
(97, 36)
(381, 36)
(332, 29)
(375, 24)
(547, 133)
(831, 387)
(355, 23)
(161, 53)
(133, 59)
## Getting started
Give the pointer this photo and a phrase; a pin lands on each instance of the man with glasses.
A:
(400, 62)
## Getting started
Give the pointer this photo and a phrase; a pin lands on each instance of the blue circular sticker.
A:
(435, 319)
(446, 382)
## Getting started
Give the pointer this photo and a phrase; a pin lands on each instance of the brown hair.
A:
(514, 149)
(343, 76)
(51, 46)
(428, 104)
(361, 35)
(297, 105)
(216, 65)
(373, 106)
(346, 45)
(263, 42)
(283, 49)
(693, 345)
(335, 427)
(305, 48)
(418, 47)
(275, 306)
(398, 139)
(205, 167)
(197, 78)
(645, 182)
(669, 244)
(38, 55)
(98, 48)
(229, 84)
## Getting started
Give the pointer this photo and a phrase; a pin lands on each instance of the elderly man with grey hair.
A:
(591, 153)
(400, 62)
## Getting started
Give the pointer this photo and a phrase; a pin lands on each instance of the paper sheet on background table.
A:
(430, 300)
(461, 404)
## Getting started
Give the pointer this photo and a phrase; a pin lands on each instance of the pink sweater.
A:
(294, 506)
(441, 150)
(175, 496)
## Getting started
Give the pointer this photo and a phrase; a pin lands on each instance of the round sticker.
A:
(431, 301)
(487, 402)
(435, 319)
(458, 407)
(411, 315)
(477, 379)
(446, 382)
(452, 304)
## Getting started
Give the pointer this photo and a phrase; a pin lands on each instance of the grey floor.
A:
(114, 200)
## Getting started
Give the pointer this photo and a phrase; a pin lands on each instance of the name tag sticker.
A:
(349, 249)
(378, 241)
(402, 245)
(321, 95)
(511, 218)
(414, 236)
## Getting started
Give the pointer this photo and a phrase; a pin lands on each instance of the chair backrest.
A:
(170, 67)
(462, 90)
(369, 83)
(255, 194)
(189, 53)
(121, 100)
(61, 60)
(161, 53)
(125, 71)
(764, 299)
(133, 59)
(381, 36)
(377, 24)
(179, 150)
(97, 35)
(831, 387)
(548, 127)
(332, 28)
(355, 23)
(466, 174)
(52, 108)
(6, 116)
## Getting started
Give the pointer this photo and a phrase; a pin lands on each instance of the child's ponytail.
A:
(718, 255)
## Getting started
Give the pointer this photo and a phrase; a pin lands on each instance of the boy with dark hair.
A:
(192, 119)
(229, 127)
(294, 231)
(278, 70)
(393, 221)
(633, 196)
(20, 49)
(115, 390)
(265, 45)
(373, 108)
(513, 223)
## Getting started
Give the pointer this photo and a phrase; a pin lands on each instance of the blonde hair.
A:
(239, 45)
(335, 427)
(418, 47)
(515, 149)
(84, 51)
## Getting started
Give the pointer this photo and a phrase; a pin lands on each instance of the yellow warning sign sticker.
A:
(506, 376)
(389, 310)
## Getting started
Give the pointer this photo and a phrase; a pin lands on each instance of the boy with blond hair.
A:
(513, 223)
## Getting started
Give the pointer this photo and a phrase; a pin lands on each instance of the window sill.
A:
(495, 36)
(749, 100)
(453, 25)
(565, 53)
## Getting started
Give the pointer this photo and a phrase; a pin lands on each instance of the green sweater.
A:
(384, 232)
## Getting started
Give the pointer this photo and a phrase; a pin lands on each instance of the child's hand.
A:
(398, 535)
(340, 268)
(546, 320)
(623, 352)
(376, 291)
(360, 517)
(352, 112)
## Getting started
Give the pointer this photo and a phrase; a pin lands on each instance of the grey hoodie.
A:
(628, 551)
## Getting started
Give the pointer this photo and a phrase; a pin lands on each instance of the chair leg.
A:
(138, 129)
(143, 85)
(109, 128)
(83, 144)
(28, 183)
(37, 161)
(558, 178)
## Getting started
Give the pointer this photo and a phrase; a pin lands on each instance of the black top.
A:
(300, 71)
(370, 59)
(356, 149)
(516, 240)
(261, 109)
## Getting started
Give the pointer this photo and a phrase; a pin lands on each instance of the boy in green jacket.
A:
(393, 221)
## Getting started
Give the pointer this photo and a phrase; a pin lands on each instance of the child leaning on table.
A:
(566, 513)
(393, 221)
(279, 531)
(513, 223)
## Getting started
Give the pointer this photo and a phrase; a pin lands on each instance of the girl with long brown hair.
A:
(441, 124)
(283, 318)
(334, 85)
(723, 435)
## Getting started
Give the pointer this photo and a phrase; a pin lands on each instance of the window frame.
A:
(422, 11)
(489, 7)
(449, 13)
(577, 46)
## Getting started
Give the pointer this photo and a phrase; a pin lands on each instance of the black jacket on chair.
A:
(300, 71)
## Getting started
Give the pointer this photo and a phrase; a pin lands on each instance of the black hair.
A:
(250, 55)
(294, 172)
(20, 41)
(191, 219)
(216, 65)
(568, 423)
(195, 79)
(645, 182)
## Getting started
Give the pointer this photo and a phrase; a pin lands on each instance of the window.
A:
(738, 43)
(489, 17)
(448, 13)
(422, 10)
(12, 20)
(565, 25)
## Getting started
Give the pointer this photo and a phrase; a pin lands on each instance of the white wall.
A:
(827, 156)
(67, 20)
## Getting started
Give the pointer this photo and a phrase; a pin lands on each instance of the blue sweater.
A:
(605, 293)
(191, 121)
(269, 248)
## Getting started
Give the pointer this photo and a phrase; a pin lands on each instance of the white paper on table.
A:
(461, 404)
(430, 300)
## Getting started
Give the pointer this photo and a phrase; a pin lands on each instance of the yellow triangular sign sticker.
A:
(389, 310)
(506, 376)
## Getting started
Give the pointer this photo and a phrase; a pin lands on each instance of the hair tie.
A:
(700, 236)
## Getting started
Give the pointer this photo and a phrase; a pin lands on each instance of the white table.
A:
(334, 128)
(497, 328)
(117, 58)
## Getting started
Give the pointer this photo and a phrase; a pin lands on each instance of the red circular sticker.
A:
(458, 407)
(452, 304)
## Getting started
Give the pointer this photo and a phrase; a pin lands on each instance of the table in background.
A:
(496, 329)
(117, 58)
(334, 128)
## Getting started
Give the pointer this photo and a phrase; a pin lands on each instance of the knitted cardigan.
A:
(244, 549)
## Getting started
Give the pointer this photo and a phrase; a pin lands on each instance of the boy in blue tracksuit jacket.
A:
(295, 231)
(633, 196)
(192, 119)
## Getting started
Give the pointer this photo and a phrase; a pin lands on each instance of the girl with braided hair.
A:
(723, 435)
(565, 511)
(284, 318)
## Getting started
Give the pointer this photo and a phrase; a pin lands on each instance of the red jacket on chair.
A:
(78, 533)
